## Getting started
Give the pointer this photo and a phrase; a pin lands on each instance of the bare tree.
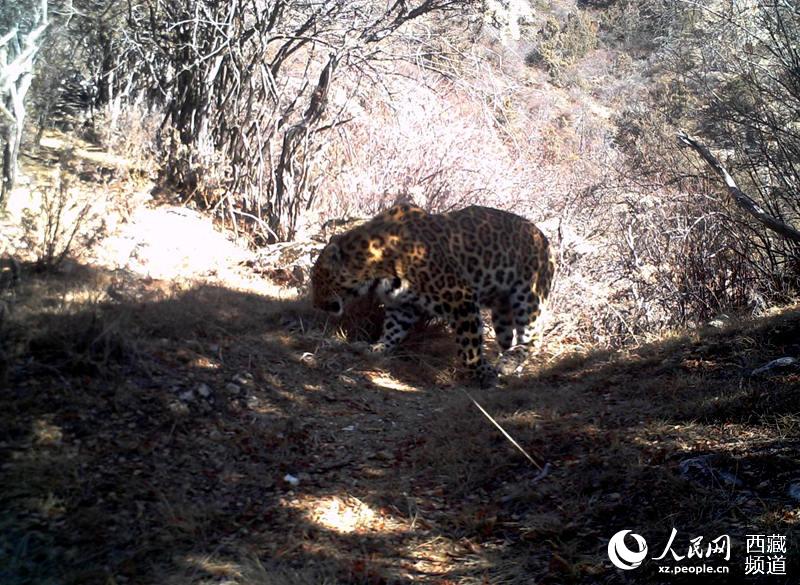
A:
(742, 199)
(245, 85)
(18, 50)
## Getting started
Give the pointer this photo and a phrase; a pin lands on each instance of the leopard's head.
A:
(339, 275)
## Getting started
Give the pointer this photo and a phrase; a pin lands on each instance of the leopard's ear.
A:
(336, 253)
(334, 250)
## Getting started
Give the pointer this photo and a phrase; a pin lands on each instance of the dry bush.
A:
(437, 157)
(131, 130)
(642, 254)
(683, 260)
(249, 93)
(64, 225)
(236, 100)
(478, 135)
(685, 249)
(642, 26)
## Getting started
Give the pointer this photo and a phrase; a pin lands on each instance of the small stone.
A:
(186, 396)
(700, 470)
(232, 388)
(794, 490)
(179, 408)
(204, 390)
(719, 322)
(778, 364)
(245, 379)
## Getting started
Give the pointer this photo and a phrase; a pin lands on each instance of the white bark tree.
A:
(18, 51)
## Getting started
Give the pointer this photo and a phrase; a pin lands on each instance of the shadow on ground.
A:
(152, 434)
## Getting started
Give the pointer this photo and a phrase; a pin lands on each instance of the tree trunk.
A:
(17, 55)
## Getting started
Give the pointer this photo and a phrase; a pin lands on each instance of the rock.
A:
(699, 470)
(719, 322)
(232, 388)
(245, 379)
(794, 490)
(186, 396)
(291, 480)
(179, 408)
(778, 364)
(204, 390)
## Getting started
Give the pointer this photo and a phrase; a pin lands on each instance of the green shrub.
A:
(561, 44)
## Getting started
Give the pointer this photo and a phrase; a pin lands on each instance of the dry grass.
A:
(112, 473)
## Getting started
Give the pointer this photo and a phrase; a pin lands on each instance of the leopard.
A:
(444, 266)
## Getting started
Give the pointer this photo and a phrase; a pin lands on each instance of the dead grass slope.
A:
(155, 437)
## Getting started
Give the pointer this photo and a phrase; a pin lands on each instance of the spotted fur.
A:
(442, 265)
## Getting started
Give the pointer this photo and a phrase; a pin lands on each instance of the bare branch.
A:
(744, 201)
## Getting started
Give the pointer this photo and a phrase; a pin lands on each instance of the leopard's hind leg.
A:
(503, 323)
(524, 309)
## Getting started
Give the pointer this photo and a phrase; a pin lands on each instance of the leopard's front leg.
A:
(398, 321)
(465, 319)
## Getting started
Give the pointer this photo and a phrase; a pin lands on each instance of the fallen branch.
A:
(542, 471)
(741, 198)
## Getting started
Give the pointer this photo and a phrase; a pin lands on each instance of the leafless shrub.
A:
(468, 132)
(128, 131)
(643, 26)
(688, 251)
(440, 158)
(684, 261)
(63, 225)
(249, 90)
